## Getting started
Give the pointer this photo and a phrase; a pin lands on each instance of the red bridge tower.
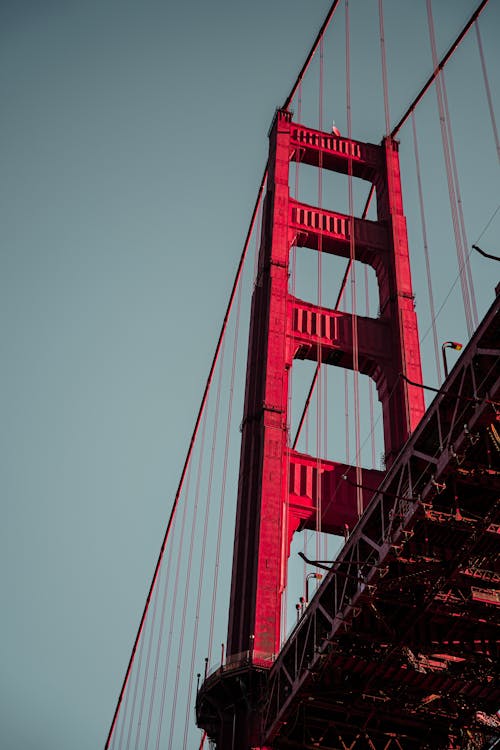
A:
(280, 490)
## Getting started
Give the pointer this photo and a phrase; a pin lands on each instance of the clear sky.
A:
(132, 142)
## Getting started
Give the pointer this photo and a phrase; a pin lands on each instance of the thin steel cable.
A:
(123, 723)
(487, 225)
(488, 90)
(201, 570)
(324, 377)
(437, 69)
(188, 455)
(465, 243)
(293, 279)
(426, 251)
(166, 667)
(384, 67)
(370, 382)
(303, 419)
(451, 189)
(367, 438)
(203, 554)
(311, 54)
(319, 351)
(152, 695)
(166, 588)
(352, 257)
(457, 277)
(146, 669)
(188, 575)
(134, 695)
(224, 475)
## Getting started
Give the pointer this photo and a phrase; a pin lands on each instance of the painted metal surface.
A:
(284, 328)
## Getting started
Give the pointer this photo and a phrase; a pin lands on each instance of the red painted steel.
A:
(277, 487)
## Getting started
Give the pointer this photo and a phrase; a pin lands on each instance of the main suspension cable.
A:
(311, 54)
(439, 67)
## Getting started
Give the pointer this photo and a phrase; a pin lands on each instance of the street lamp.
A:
(317, 576)
(449, 345)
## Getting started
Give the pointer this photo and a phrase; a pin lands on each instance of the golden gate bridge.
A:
(364, 603)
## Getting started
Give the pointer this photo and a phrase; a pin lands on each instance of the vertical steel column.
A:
(403, 404)
(259, 561)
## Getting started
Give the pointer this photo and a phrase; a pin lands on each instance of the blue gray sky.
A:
(132, 142)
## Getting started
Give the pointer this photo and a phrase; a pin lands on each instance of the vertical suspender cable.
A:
(384, 67)
(426, 251)
(134, 695)
(201, 573)
(163, 610)
(352, 257)
(319, 391)
(293, 283)
(170, 639)
(311, 54)
(465, 242)
(488, 91)
(122, 728)
(439, 67)
(224, 477)
(182, 631)
(336, 307)
(370, 384)
(146, 669)
(188, 456)
(451, 189)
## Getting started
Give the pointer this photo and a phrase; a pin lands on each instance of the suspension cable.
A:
(182, 631)
(311, 54)
(201, 569)
(319, 351)
(458, 194)
(224, 476)
(146, 669)
(152, 696)
(439, 67)
(384, 66)
(336, 307)
(426, 249)
(370, 382)
(134, 695)
(171, 626)
(451, 187)
(352, 258)
(488, 91)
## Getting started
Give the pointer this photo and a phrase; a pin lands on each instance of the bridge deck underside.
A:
(400, 645)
